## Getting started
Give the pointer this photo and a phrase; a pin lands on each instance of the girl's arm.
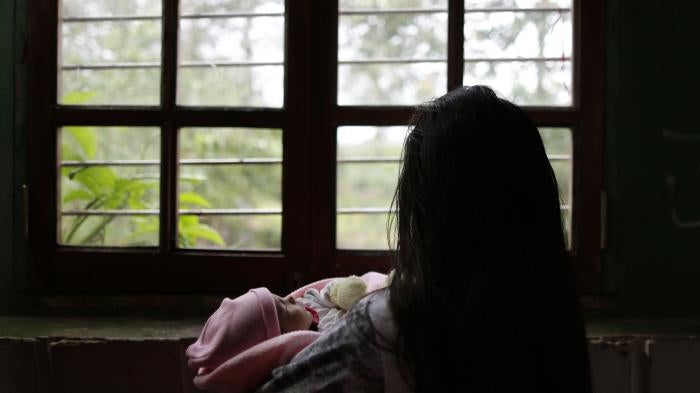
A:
(340, 360)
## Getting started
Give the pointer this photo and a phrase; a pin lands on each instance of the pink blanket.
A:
(232, 362)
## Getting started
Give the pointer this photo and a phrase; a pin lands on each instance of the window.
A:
(214, 146)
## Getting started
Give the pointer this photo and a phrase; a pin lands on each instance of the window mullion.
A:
(168, 183)
(297, 113)
(324, 89)
(455, 43)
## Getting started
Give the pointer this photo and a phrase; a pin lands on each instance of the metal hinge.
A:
(603, 219)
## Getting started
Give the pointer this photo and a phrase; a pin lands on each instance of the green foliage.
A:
(191, 230)
(101, 187)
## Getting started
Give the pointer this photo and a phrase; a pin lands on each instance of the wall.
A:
(11, 158)
(115, 364)
(652, 85)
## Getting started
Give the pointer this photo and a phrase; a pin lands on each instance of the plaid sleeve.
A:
(339, 361)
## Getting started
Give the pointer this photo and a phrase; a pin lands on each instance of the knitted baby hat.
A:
(237, 325)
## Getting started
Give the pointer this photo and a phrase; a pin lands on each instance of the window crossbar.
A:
(205, 64)
(225, 212)
(182, 212)
(131, 18)
(192, 161)
(386, 210)
(248, 161)
(231, 15)
(187, 64)
(370, 11)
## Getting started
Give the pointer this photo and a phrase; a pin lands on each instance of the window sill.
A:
(127, 328)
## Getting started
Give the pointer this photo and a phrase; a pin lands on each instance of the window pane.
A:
(101, 8)
(359, 142)
(109, 186)
(107, 57)
(231, 86)
(524, 55)
(559, 147)
(395, 84)
(230, 188)
(391, 58)
(362, 232)
(230, 6)
(232, 55)
(524, 82)
(517, 34)
(255, 232)
(367, 172)
(366, 184)
(373, 4)
(470, 4)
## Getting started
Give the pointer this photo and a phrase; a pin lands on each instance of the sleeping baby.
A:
(252, 334)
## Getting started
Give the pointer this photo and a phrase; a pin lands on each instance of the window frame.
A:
(309, 119)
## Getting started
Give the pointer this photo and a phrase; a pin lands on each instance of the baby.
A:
(248, 336)
(293, 315)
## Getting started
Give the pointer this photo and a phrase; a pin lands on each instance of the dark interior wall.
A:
(652, 84)
(12, 154)
(652, 138)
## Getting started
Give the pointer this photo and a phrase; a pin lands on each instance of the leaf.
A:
(99, 180)
(68, 154)
(194, 179)
(76, 195)
(193, 199)
(86, 138)
(188, 221)
(77, 97)
(204, 231)
(145, 230)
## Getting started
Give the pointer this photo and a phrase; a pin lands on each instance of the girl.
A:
(482, 299)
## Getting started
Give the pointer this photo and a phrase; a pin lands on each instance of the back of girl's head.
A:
(481, 260)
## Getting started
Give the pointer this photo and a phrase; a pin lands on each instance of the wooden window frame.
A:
(309, 119)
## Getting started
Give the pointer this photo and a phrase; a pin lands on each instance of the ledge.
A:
(186, 329)
(100, 328)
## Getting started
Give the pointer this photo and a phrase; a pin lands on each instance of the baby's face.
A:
(292, 316)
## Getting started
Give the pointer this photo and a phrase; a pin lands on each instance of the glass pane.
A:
(524, 55)
(253, 232)
(230, 143)
(557, 140)
(232, 179)
(374, 4)
(232, 59)
(391, 58)
(395, 84)
(403, 36)
(470, 4)
(230, 6)
(367, 172)
(362, 232)
(110, 87)
(108, 58)
(524, 82)
(231, 186)
(566, 217)
(362, 142)
(239, 39)
(254, 86)
(109, 186)
(558, 145)
(110, 231)
(101, 8)
(366, 184)
(517, 34)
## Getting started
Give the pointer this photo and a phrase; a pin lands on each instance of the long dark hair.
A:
(482, 295)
